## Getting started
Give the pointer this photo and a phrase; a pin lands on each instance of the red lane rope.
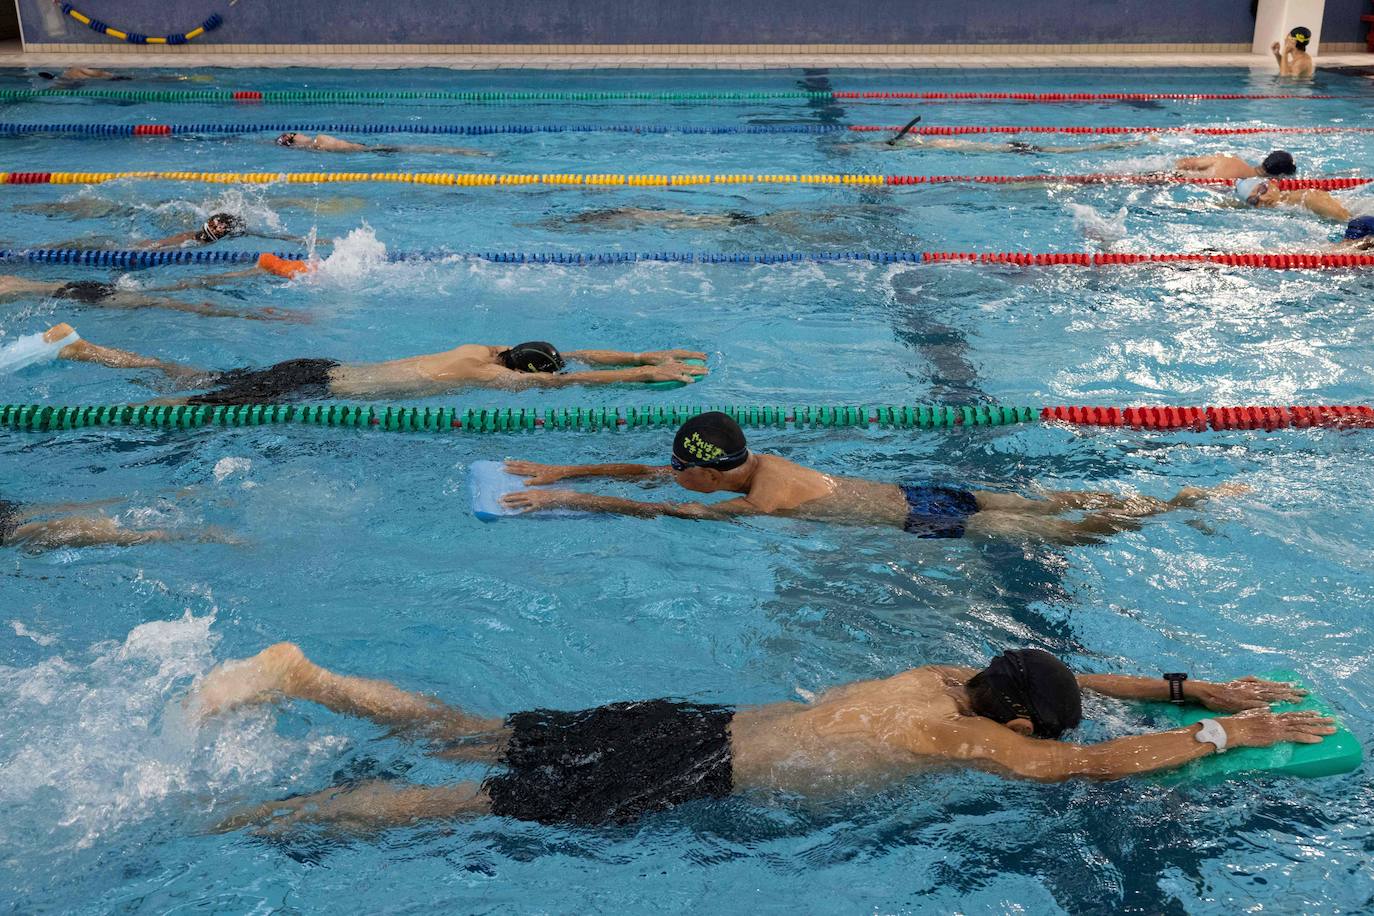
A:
(1285, 184)
(1200, 418)
(1081, 96)
(1311, 261)
(951, 131)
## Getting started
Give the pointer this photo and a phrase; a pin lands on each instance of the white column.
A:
(1275, 18)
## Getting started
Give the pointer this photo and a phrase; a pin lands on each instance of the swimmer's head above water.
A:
(1256, 192)
(290, 138)
(532, 356)
(221, 226)
(1301, 36)
(1029, 691)
(1278, 164)
(1361, 228)
(707, 448)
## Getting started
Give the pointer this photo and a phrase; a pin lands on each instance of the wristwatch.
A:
(1211, 733)
(1176, 680)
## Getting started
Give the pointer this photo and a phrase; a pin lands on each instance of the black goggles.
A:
(679, 465)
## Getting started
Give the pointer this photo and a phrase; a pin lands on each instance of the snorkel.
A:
(904, 131)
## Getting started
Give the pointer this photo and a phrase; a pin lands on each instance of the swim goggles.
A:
(1253, 199)
(679, 465)
(287, 139)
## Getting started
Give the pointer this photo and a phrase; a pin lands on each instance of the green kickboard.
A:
(1336, 754)
(662, 386)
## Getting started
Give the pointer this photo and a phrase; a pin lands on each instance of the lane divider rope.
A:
(493, 179)
(615, 95)
(134, 38)
(131, 258)
(477, 130)
(49, 418)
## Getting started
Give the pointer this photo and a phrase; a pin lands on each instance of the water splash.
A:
(1096, 227)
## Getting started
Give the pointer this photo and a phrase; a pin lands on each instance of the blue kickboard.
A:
(488, 481)
(1335, 754)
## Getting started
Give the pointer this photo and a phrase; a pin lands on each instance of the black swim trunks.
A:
(612, 764)
(87, 291)
(1021, 146)
(10, 519)
(740, 218)
(293, 380)
(937, 512)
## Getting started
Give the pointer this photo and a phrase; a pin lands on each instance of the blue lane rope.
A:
(469, 130)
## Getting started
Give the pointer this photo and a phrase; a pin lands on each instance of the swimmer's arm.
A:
(651, 373)
(1234, 696)
(620, 358)
(208, 280)
(170, 241)
(549, 473)
(615, 505)
(1326, 206)
(1195, 163)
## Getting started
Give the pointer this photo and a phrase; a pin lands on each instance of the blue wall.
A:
(1342, 20)
(675, 21)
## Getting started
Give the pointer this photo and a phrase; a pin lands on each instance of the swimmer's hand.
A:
(666, 372)
(534, 500)
(537, 475)
(1274, 47)
(1265, 729)
(668, 356)
(1241, 694)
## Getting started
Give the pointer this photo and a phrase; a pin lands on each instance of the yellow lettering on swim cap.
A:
(702, 450)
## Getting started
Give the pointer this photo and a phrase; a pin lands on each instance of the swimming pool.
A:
(359, 546)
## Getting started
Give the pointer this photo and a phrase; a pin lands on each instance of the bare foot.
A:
(248, 680)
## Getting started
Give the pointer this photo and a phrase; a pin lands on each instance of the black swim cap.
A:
(710, 440)
(1301, 36)
(1279, 162)
(233, 227)
(532, 356)
(1028, 684)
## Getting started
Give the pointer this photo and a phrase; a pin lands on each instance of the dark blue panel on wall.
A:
(667, 21)
(1342, 20)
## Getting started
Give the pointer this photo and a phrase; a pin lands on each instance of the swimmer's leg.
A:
(83, 351)
(208, 309)
(372, 805)
(283, 670)
(98, 531)
(1057, 502)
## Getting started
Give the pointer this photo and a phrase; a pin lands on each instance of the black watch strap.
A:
(1176, 680)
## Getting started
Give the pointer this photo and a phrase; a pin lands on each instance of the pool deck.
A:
(565, 57)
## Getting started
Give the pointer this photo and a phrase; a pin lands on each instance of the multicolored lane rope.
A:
(477, 130)
(134, 38)
(290, 264)
(51, 418)
(613, 95)
(504, 180)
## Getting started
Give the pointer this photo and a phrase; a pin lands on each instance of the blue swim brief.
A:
(937, 512)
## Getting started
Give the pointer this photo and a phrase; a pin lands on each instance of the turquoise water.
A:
(360, 548)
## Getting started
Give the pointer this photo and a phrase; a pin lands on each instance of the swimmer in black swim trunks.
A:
(324, 143)
(110, 296)
(531, 364)
(710, 455)
(960, 145)
(616, 763)
(36, 527)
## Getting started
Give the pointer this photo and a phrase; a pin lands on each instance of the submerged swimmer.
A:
(617, 763)
(110, 296)
(1257, 192)
(1278, 164)
(1359, 235)
(217, 226)
(710, 455)
(47, 526)
(81, 74)
(1292, 56)
(526, 365)
(324, 143)
(959, 145)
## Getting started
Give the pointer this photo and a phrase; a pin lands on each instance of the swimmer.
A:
(324, 143)
(1278, 164)
(1292, 57)
(110, 296)
(36, 527)
(710, 455)
(81, 74)
(1359, 235)
(836, 224)
(958, 145)
(1257, 192)
(617, 763)
(527, 365)
(217, 227)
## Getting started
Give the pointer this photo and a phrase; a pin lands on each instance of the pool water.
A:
(360, 547)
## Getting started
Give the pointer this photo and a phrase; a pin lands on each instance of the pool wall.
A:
(1010, 25)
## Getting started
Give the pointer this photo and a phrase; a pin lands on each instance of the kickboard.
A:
(488, 481)
(663, 386)
(1336, 754)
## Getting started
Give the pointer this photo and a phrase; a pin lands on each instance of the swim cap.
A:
(1028, 684)
(221, 226)
(709, 440)
(532, 356)
(1247, 188)
(1279, 162)
(1301, 36)
(1358, 228)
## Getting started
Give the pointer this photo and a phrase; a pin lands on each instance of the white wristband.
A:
(1211, 733)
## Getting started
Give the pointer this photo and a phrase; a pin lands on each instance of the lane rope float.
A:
(478, 130)
(565, 180)
(614, 95)
(295, 262)
(51, 418)
(134, 38)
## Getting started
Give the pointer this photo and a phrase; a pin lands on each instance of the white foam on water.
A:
(1104, 229)
(95, 740)
(24, 632)
(229, 466)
